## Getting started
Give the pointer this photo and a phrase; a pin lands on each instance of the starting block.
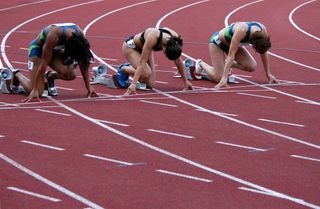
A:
(5, 81)
(191, 70)
(100, 77)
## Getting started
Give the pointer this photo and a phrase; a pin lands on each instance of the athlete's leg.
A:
(215, 71)
(244, 60)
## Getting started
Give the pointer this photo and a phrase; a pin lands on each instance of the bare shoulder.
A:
(171, 31)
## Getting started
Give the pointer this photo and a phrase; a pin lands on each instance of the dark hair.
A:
(260, 42)
(77, 47)
(173, 47)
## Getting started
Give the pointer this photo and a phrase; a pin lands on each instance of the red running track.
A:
(165, 148)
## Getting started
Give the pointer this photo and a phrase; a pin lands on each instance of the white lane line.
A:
(22, 48)
(275, 55)
(281, 122)
(158, 103)
(1, 136)
(64, 88)
(305, 158)
(42, 145)
(306, 102)
(113, 123)
(34, 194)
(22, 5)
(8, 104)
(162, 82)
(241, 146)
(53, 112)
(185, 176)
(50, 183)
(256, 95)
(222, 113)
(107, 159)
(17, 62)
(261, 192)
(170, 133)
(295, 25)
(280, 92)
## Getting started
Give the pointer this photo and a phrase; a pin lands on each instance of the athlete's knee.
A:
(252, 67)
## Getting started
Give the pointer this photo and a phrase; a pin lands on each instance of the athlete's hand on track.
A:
(222, 83)
(33, 94)
(131, 90)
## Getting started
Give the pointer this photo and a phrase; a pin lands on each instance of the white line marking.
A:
(281, 122)
(256, 95)
(306, 102)
(108, 159)
(241, 146)
(109, 59)
(24, 48)
(162, 82)
(42, 145)
(158, 103)
(185, 160)
(4, 40)
(34, 194)
(281, 92)
(297, 200)
(1, 136)
(50, 183)
(170, 133)
(17, 62)
(113, 123)
(64, 88)
(28, 107)
(295, 25)
(222, 113)
(22, 5)
(53, 112)
(8, 104)
(305, 158)
(185, 176)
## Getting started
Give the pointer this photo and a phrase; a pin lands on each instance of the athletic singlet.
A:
(157, 46)
(64, 27)
(228, 33)
(35, 48)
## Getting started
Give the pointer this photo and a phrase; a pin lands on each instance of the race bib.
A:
(30, 65)
(131, 44)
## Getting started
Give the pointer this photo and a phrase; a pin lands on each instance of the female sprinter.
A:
(138, 50)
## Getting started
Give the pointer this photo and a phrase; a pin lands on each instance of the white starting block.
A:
(99, 77)
(190, 70)
(5, 80)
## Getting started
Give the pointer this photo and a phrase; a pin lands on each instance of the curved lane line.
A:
(275, 55)
(4, 40)
(180, 158)
(15, 164)
(295, 25)
(23, 5)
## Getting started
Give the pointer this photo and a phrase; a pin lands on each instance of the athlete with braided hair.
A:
(62, 47)
(138, 50)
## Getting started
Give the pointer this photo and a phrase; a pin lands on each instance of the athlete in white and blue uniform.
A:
(232, 41)
(61, 47)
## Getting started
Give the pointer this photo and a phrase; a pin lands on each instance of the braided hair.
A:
(77, 47)
(173, 47)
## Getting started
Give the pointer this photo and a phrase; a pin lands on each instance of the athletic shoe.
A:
(121, 77)
(52, 90)
(198, 67)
